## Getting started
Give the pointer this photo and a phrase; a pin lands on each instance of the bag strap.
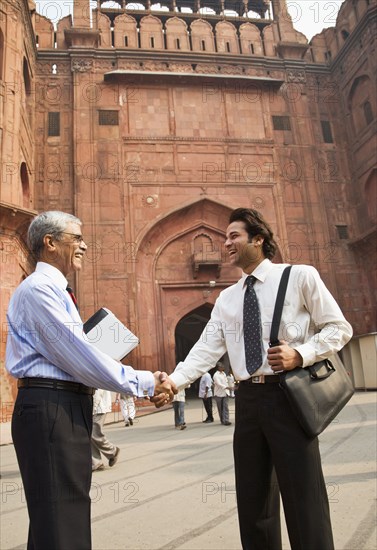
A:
(274, 340)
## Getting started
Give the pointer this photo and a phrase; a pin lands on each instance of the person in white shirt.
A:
(127, 406)
(179, 410)
(231, 384)
(271, 450)
(99, 442)
(205, 393)
(221, 393)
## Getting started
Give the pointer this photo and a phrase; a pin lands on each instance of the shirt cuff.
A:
(145, 386)
(307, 353)
(179, 380)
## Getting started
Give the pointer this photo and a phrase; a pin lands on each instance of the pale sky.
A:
(308, 16)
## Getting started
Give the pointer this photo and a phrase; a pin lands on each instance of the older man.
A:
(57, 369)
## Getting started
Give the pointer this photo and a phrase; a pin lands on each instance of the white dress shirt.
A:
(220, 382)
(46, 339)
(205, 384)
(312, 323)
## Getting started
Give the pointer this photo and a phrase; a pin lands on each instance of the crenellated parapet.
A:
(243, 27)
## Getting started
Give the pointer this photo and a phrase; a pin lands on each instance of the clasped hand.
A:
(283, 357)
(164, 389)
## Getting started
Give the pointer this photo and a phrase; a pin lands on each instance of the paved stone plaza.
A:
(175, 489)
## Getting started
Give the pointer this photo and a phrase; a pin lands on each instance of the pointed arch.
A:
(226, 37)
(164, 281)
(125, 32)
(151, 33)
(177, 37)
(218, 206)
(250, 38)
(202, 36)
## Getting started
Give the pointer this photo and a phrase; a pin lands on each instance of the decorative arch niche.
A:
(164, 282)
(24, 177)
(370, 191)
(360, 95)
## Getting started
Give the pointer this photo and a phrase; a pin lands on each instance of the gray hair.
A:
(48, 223)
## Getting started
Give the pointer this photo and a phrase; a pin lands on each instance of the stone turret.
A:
(81, 35)
(291, 44)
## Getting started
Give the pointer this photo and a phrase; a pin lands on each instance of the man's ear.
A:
(48, 242)
(257, 240)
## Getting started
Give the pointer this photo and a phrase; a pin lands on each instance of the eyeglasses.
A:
(76, 238)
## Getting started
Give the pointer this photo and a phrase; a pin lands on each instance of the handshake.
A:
(164, 389)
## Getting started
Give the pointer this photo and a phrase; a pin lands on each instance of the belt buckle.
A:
(258, 379)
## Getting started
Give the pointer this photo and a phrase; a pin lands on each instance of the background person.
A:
(179, 410)
(205, 393)
(127, 406)
(231, 384)
(99, 442)
(221, 393)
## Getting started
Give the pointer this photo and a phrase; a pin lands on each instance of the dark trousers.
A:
(272, 452)
(51, 432)
(208, 407)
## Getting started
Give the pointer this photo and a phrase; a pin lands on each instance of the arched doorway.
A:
(170, 286)
(187, 332)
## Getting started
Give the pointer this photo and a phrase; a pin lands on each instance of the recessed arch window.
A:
(24, 176)
(370, 191)
(359, 103)
(26, 75)
(368, 113)
(2, 48)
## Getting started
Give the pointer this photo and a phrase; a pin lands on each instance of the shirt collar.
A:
(53, 273)
(260, 272)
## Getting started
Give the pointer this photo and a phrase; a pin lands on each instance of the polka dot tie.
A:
(252, 327)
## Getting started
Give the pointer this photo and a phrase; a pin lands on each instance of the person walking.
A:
(99, 442)
(272, 453)
(127, 406)
(179, 410)
(205, 393)
(221, 393)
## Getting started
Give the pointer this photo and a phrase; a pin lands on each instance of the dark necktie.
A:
(74, 300)
(252, 327)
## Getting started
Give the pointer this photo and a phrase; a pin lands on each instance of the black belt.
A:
(51, 383)
(262, 379)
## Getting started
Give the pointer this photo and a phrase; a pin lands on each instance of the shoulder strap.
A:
(274, 341)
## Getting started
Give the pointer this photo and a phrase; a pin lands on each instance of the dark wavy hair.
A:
(256, 225)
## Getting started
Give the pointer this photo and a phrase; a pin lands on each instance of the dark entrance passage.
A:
(187, 332)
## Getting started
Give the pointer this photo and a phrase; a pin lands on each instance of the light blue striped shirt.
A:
(46, 339)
